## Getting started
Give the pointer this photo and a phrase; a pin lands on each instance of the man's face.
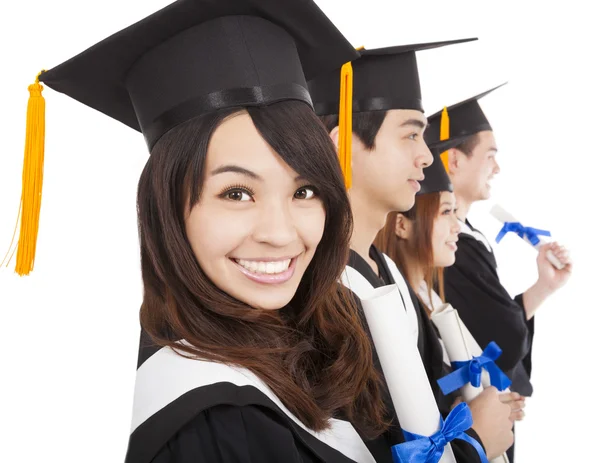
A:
(389, 173)
(472, 175)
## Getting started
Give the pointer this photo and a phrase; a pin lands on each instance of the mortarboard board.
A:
(190, 58)
(461, 119)
(383, 79)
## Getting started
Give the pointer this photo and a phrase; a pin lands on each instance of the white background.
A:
(70, 330)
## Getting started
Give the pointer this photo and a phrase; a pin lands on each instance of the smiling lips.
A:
(261, 267)
(269, 272)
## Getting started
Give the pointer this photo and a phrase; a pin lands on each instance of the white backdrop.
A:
(70, 330)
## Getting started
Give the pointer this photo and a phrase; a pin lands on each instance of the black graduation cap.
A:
(197, 56)
(384, 78)
(436, 177)
(190, 58)
(466, 118)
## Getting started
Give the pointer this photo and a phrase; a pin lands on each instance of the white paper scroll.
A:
(402, 366)
(503, 216)
(461, 346)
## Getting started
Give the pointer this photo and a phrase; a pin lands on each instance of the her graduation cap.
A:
(190, 58)
(436, 178)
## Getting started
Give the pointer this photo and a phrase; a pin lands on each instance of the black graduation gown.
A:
(432, 355)
(224, 423)
(473, 288)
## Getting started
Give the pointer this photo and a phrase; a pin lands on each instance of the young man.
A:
(388, 157)
(472, 285)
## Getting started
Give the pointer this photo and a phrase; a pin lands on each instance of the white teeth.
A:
(271, 268)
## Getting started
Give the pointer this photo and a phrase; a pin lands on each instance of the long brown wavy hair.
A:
(314, 353)
(418, 249)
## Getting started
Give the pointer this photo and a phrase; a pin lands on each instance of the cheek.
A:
(310, 224)
(213, 233)
(438, 236)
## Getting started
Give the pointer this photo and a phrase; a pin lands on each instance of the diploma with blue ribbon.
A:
(429, 449)
(533, 236)
(470, 371)
(471, 362)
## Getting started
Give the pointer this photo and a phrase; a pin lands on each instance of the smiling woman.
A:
(249, 346)
(257, 221)
(241, 215)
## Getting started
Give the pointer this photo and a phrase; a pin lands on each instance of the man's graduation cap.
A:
(190, 58)
(383, 79)
(464, 119)
(459, 120)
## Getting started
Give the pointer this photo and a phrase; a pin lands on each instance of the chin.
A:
(267, 299)
(447, 261)
(405, 205)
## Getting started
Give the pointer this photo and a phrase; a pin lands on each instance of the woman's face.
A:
(257, 224)
(445, 231)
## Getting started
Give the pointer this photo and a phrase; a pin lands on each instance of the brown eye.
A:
(237, 195)
(304, 193)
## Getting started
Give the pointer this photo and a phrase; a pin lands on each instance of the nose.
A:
(455, 224)
(275, 224)
(424, 158)
(496, 167)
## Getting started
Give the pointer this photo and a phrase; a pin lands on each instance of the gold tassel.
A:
(345, 124)
(33, 175)
(444, 135)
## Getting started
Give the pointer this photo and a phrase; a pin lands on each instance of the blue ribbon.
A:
(423, 449)
(470, 371)
(532, 234)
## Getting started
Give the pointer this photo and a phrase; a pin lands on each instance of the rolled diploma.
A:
(503, 216)
(402, 366)
(448, 324)
(461, 346)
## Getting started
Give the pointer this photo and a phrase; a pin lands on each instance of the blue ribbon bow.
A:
(532, 234)
(423, 449)
(470, 371)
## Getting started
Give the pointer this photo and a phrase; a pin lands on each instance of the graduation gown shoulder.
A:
(188, 410)
(473, 288)
(234, 434)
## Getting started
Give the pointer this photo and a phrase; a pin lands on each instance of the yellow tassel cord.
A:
(345, 124)
(33, 175)
(444, 135)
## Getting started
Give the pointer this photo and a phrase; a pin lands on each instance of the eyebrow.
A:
(241, 170)
(493, 148)
(414, 122)
(446, 203)
(237, 170)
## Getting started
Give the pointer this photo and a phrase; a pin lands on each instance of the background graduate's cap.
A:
(436, 178)
(459, 120)
(384, 78)
(464, 118)
(192, 57)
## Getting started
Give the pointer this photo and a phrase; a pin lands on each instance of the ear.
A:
(403, 227)
(454, 160)
(335, 136)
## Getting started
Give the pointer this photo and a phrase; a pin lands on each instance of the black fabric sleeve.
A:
(232, 434)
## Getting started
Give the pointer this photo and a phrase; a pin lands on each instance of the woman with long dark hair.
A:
(250, 349)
